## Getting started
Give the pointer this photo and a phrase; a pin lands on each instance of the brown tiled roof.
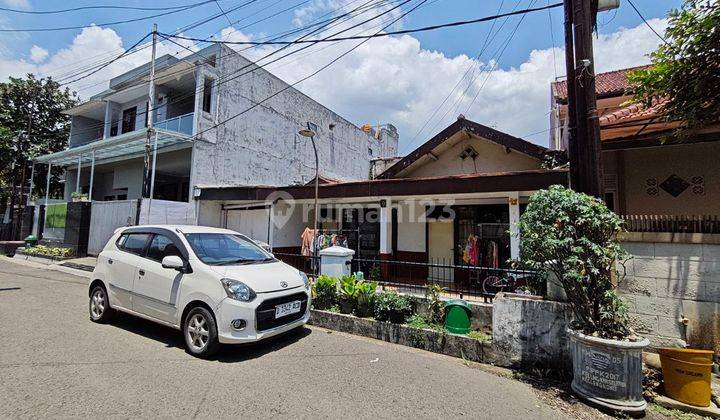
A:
(612, 83)
(632, 112)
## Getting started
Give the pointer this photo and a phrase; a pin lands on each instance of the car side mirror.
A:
(174, 262)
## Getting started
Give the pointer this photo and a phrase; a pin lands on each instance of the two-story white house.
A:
(212, 125)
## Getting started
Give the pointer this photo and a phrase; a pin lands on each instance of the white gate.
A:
(164, 212)
(105, 217)
(253, 223)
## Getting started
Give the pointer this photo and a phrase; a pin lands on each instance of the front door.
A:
(156, 288)
(440, 249)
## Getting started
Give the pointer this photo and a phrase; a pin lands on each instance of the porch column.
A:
(385, 235)
(514, 211)
(32, 183)
(77, 179)
(108, 119)
(92, 176)
(47, 194)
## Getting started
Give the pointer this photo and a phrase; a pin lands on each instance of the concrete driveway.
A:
(55, 363)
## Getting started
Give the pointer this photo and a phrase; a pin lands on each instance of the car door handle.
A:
(110, 261)
(142, 272)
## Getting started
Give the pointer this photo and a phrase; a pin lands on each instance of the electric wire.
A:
(115, 23)
(646, 23)
(74, 9)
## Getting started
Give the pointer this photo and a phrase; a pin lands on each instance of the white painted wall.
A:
(262, 146)
(411, 226)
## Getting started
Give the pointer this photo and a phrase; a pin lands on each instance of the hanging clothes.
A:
(308, 242)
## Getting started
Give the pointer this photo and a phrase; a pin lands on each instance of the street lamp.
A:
(310, 132)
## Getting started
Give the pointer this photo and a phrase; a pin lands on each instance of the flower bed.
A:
(46, 252)
(353, 305)
(475, 346)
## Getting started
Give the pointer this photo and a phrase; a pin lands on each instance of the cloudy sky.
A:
(496, 73)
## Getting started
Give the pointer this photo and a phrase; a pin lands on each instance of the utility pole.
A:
(150, 109)
(584, 135)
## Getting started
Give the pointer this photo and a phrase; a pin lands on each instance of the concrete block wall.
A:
(667, 283)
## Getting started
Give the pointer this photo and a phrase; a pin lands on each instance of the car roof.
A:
(185, 228)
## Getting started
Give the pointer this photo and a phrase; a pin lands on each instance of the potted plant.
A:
(393, 307)
(574, 236)
(365, 298)
(78, 196)
(348, 294)
(324, 292)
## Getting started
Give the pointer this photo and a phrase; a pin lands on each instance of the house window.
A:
(128, 119)
(207, 95)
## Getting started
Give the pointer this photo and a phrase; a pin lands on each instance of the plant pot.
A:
(608, 373)
(346, 306)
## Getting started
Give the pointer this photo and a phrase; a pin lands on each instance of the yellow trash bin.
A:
(687, 375)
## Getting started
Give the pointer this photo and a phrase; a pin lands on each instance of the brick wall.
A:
(667, 282)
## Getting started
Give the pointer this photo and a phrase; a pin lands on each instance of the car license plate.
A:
(287, 309)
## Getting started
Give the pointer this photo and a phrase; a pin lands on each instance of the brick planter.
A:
(430, 340)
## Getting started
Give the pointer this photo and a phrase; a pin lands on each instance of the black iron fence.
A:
(309, 265)
(461, 281)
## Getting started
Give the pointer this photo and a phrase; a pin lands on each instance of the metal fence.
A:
(309, 265)
(462, 281)
(672, 223)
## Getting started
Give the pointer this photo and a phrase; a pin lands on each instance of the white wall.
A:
(262, 146)
(411, 227)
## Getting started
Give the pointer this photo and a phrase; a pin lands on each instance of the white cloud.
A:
(17, 4)
(93, 46)
(38, 54)
(390, 79)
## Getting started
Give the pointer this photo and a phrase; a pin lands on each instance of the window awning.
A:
(127, 144)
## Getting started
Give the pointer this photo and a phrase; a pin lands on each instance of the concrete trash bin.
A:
(457, 316)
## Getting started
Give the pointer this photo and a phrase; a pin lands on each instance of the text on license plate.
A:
(287, 309)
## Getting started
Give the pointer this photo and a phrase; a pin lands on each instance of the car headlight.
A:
(238, 290)
(306, 280)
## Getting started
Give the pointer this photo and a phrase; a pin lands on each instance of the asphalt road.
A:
(55, 363)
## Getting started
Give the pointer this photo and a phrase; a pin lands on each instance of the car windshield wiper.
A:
(238, 261)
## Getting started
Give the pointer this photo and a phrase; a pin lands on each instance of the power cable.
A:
(289, 86)
(219, 82)
(647, 24)
(74, 9)
(119, 22)
(378, 35)
(127, 52)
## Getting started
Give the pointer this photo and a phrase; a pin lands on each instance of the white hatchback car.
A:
(215, 285)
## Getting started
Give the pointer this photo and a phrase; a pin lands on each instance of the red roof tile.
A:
(612, 83)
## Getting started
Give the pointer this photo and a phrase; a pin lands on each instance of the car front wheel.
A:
(100, 310)
(200, 331)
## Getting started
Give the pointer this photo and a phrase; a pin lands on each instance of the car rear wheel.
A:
(100, 310)
(200, 331)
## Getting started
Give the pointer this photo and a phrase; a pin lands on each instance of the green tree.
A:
(574, 236)
(686, 69)
(31, 124)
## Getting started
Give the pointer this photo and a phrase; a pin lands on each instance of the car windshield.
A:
(226, 249)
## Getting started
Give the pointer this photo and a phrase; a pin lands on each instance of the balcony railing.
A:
(182, 124)
(672, 223)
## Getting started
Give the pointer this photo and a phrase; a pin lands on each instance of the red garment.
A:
(474, 251)
(307, 241)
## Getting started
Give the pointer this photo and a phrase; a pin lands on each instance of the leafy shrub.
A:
(325, 292)
(365, 298)
(393, 307)
(348, 294)
(574, 235)
(49, 251)
(436, 306)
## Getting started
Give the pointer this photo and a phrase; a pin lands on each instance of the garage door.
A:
(254, 223)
